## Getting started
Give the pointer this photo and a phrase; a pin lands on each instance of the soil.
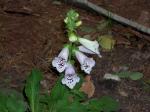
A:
(32, 33)
(135, 10)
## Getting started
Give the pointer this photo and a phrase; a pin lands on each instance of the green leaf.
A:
(11, 101)
(76, 107)
(78, 95)
(3, 99)
(131, 75)
(61, 105)
(146, 85)
(103, 25)
(105, 104)
(59, 90)
(32, 88)
(87, 29)
(94, 106)
(136, 75)
(124, 74)
(14, 104)
(107, 42)
(58, 94)
(108, 104)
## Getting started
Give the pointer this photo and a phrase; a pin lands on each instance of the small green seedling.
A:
(130, 75)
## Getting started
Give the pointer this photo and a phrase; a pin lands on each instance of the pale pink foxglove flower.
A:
(60, 62)
(91, 45)
(86, 63)
(70, 79)
(86, 50)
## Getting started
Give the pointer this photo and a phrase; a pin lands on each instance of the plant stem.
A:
(70, 51)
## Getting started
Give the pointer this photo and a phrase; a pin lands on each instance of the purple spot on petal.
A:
(61, 62)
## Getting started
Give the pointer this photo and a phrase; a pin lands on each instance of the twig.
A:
(138, 34)
(111, 15)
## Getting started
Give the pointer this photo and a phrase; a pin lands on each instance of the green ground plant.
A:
(129, 74)
(60, 99)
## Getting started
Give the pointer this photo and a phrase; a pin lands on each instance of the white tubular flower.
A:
(60, 62)
(70, 79)
(109, 76)
(86, 63)
(91, 45)
(85, 50)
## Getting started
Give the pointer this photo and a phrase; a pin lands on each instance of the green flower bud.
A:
(77, 15)
(78, 23)
(66, 20)
(72, 37)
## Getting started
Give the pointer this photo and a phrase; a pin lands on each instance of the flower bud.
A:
(66, 20)
(78, 23)
(72, 37)
(77, 15)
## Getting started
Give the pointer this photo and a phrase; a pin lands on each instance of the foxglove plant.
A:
(64, 61)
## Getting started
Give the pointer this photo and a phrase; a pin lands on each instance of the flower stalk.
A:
(64, 62)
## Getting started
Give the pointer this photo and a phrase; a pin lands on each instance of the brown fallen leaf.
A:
(141, 45)
(88, 87)
(122, 40)
(138, 34)
(123, 93)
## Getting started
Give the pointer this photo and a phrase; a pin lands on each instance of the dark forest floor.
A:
(32, 33)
